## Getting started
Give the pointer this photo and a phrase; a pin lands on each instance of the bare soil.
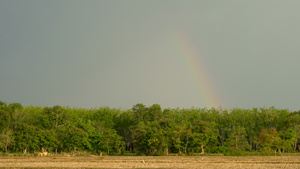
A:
(207, 162)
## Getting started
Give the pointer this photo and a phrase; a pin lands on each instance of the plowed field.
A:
(206, 162)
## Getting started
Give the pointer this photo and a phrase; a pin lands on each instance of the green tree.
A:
(297, 135)
(288, 138)
(6, 138)
(26, 138)
(269, 139)
(96, 141)
(237, 138)
(112, 140)
(123, 122)
(139, 111)
(148, 136)
(154, 113)
(17, 114)
(48, 140)
(74, 138)
(206, 134)
(4, 115)
(177, 137)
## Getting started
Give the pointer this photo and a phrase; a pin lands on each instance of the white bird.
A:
(143, 161)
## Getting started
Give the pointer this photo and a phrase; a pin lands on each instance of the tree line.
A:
(147, 130)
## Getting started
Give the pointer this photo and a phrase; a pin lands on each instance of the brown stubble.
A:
(207, 162)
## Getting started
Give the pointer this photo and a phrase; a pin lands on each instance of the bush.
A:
(267, 153)
(221, 150)
(158, 153)
(4, 154)
(112, 153)
(234, 152)
(139, 153)
(104, 153)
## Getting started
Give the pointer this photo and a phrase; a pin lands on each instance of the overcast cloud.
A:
(119, 53)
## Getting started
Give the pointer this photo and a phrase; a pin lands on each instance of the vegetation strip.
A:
(63, 131)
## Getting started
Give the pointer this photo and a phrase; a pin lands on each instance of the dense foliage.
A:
(147, 130)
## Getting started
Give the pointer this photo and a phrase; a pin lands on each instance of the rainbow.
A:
(197, 71)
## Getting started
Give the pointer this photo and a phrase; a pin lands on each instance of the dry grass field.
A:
(207, 162)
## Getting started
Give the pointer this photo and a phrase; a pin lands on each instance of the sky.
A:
(174, 53)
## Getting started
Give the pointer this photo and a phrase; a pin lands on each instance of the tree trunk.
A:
(295, 144)
(280, 152)
(202, 149)
(186, 144)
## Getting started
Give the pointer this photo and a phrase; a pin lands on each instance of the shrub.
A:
(158, 153)
(221, 150)
(4, 154)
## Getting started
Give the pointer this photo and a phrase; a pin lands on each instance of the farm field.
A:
(152, 162)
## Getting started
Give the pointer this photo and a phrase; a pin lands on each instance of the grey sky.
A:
(119, 53)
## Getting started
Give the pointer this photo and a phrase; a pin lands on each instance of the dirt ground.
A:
(207, 162)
